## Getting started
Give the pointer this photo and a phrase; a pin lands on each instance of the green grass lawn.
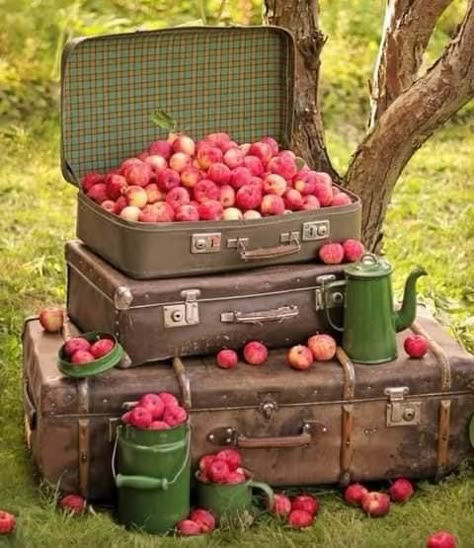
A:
(429, 223)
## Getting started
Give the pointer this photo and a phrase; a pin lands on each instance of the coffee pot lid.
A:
(369, 266)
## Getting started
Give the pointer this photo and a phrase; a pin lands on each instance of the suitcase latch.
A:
(206, 243)
(401, 412)
(333, 298)
(181, 315)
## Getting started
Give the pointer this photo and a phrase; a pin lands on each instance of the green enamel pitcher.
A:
(370, 322)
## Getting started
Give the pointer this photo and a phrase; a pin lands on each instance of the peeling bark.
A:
(301, 18)
(407, 123)
(408, 27)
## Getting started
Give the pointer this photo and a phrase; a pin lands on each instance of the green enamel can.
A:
(153, 477)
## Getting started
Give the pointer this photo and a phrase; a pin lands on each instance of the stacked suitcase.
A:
(174, 294)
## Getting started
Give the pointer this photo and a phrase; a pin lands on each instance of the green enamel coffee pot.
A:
(370, 322)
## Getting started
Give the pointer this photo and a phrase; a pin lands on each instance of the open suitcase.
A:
(110, 88)
(338, 422)
(159, 319)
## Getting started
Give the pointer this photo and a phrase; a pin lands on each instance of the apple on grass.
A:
(52, 319)
(299, 519)
(281, 505)
(204, 518)
(74, 504)
(441, 539)
(307, 503)
(401, 490)
(188, 528)
(376, 504)
(7, 523)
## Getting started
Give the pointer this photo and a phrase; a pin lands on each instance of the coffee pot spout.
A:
(406, 315)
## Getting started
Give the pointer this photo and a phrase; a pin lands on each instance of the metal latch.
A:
(187, 313)
(333, 298)
(206, 243)
(401, 412)
(315, 230)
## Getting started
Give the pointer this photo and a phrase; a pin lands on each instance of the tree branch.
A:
(407, 123)
(408, 27)
(301, 18)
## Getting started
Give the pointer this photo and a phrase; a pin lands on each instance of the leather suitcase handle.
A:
(269, 252)
(274, 442)
(261, 316)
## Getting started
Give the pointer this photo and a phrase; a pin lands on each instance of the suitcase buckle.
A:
(181, 315)
(401, 412)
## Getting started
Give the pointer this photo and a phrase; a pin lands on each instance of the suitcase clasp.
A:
(401, 412)
(181, 315)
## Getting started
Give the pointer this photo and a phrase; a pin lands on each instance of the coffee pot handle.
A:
(326, 290)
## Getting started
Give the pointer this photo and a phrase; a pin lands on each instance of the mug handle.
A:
(265, 488)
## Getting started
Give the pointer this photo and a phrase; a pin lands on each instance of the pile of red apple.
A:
(80, 351)
(213, 179)
(199, 522)
(298, 511)
(156, 412)
(348, 251)
(224, 467)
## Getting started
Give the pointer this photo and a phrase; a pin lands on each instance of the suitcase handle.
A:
(269, 252)
(262, 316)
(275, 442)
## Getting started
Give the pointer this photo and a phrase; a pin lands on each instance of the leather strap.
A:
(83, 428)
(347, 417)
(183, 381)
(439, 354)
(443, 437)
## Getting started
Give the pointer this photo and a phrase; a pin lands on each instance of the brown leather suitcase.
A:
(338, 422)
(158, 319)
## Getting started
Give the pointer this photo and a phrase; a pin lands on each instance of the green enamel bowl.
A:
(90, 369)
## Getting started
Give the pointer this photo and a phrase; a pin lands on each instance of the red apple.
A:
(156, 162)
(108, 205)
(219, 173)
(240, 176)
(74, 344)
(248, 197)
(401, 490)
(227, 196)
(261, 150)
(91, 179)
(148, 214)
(177, 197)
(101, 347)
(310, 202)
(415, 346)
(175, 416)
(115, 186)
(355, 493)
(205, 462)
(154, 194)
(255, 353)
(161, 148)
(7, 523)
(98, 193)
(167, 179)
(208, 155)
(274, 184)
(128, 164)
(232, 457)
(165, 213)
(52, 319)
(218, 139)
(272, 144)
(300, 357)
(272, 205)
(206, 190)
(190, 176)
(185, 144)
(293, 200)
(234, 157)
(281, 505)
(305, 182)
(130, 213)
(188, 528)
(179, 161)
(187, 213)
(299, 519)
(120, 204)
(154, 404)
(168, 399)
(211, 210)
(136, 196)
(254, 165)
(323, 347)
(226, 359)
(218, 471)
(82, 356)
(441, 539)
(376, 504)
(74, 504)
(307, 503)
(125, 418)
(235, 477)
(340, 199)
(204, 518)
(138, 174)
(283, 165)
(323, 192)
(353, 250)
(140, 417)
(331, 253)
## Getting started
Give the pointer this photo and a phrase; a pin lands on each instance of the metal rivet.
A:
(229, 430)
(211, 437)
(228, 440)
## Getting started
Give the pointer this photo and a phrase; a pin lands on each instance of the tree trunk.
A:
(407, 123)
(301, 18)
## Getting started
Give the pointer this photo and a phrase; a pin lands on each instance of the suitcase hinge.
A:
(181, 315)
(401, 412)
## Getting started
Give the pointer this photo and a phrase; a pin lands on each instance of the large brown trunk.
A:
(301, 18)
